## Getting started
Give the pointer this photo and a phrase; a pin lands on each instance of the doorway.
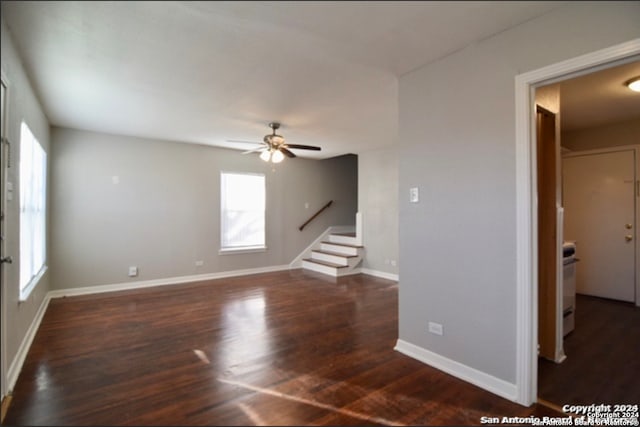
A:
(526, 215)
(598, 189)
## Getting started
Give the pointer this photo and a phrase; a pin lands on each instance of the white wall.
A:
(378, 204)
(457, 144)
(605, 136)
(163, 215)
(22, 104)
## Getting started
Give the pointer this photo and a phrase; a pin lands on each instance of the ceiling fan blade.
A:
(286, 152)
(303, 147)
(244, 142)
(254, 150)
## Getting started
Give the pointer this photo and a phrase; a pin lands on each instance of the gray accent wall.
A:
(378, 205)
(22, 105)
(122, 201)
(457, 145)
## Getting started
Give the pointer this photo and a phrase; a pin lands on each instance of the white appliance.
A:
(569, 260)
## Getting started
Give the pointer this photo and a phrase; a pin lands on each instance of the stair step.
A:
(334, 253)
(342, 238)
(344, 244)
(347, 234)
(339, 248)
(325, 263)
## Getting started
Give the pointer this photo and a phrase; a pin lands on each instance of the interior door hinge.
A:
(6, 141)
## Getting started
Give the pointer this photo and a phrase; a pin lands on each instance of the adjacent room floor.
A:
(285, 348)
(603, 361)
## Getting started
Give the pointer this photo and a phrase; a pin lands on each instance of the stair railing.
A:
(315, 215)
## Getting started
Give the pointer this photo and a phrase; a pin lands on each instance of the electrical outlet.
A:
(133, 271)
(199, 263)
(393, 262)
(435, 328)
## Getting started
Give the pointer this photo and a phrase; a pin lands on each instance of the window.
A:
(33, 169)
(242, 211)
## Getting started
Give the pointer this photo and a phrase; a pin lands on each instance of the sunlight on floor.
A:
(202, 356)
(253, 416)
(346, 412)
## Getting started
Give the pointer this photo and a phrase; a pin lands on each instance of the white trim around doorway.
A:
(526, 202)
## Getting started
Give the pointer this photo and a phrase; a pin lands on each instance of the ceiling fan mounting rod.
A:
(275, 126)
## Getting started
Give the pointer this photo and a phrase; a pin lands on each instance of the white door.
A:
(599, 200)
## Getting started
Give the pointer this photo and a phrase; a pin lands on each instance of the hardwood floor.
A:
(285, 348)
(603, 357)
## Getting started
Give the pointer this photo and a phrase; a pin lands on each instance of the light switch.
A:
(413, 195)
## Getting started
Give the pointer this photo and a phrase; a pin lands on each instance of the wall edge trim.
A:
(466, 373)
(380, 274)
(18, 361)
(87, 290)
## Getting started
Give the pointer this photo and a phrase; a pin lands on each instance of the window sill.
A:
(24, 293)
(245, 250)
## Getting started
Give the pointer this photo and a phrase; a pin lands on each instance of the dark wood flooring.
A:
(285, 348)
(603, 357)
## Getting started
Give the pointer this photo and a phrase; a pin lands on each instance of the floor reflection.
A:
(243, 321)
(321, 405)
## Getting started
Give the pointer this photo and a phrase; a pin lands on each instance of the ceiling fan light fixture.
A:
(274, 147)
(277, 156)
(634, 84)
(265, 155)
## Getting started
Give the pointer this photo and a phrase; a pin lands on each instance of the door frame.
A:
(526, 201)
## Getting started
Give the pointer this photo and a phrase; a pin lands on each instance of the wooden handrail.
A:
(315, 215)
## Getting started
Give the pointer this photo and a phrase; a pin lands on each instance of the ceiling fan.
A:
(274, 147)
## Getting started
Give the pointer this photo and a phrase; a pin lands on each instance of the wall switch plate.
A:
(413, 195)
(133, 271)
(435, 328)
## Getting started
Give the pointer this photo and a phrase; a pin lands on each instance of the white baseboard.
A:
(381, 274)
(25, 345)
(481, 379)
(162, 282)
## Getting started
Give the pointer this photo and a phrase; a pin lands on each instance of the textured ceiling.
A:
(600, 97)
(205, 72)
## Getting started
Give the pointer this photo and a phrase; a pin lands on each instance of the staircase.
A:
(337, 255)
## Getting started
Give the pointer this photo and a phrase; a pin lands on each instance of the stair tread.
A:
(325, 263)
(334, 253)
(347, 234)
(343, 244)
